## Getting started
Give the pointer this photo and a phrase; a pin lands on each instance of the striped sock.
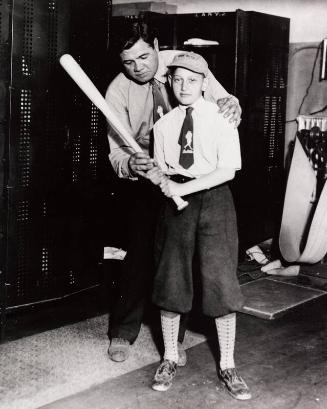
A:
(226, 330)
(170, 328)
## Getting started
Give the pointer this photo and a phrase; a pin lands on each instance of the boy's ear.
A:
(205, 84)
(170, 79)
(156, 44)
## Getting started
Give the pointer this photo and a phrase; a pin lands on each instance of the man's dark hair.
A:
(130, 31)
(123, 34)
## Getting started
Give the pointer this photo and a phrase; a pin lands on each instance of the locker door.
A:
(212, 26)
(261, 86)
(56, 150)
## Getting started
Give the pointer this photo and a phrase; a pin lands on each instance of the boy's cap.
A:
(190, 61)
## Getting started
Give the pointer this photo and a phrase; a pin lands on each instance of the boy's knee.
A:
(169, 314)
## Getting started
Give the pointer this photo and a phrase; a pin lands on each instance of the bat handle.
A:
(180, 203)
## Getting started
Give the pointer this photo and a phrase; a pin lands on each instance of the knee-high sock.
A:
(170, 327)
(226, 330)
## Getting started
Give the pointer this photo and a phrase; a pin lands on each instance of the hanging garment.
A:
(303, 234)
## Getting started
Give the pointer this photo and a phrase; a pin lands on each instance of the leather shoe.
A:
(119, 349)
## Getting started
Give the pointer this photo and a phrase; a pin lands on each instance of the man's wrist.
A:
(232, 100)
(130, 170)
(124, 170)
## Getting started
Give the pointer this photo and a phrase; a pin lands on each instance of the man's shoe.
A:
(119, 349)
(234, 384)
(182, 357)
(163, 379)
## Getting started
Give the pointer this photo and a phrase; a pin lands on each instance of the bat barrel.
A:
(74, 70)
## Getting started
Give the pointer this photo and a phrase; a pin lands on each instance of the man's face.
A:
(187, 85)
(140, 62)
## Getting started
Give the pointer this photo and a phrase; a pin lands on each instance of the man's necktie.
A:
(159, 105)
(186, 158)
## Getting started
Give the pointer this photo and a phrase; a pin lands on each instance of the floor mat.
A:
(270, 298)
(39, 369)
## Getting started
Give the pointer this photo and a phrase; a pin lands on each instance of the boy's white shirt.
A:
(216, 147)
(215, 142)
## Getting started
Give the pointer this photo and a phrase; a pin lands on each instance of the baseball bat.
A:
(75, 71)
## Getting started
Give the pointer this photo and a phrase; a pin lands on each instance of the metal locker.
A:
(54, 185)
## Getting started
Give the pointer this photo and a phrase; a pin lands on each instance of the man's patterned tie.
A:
(159, 105)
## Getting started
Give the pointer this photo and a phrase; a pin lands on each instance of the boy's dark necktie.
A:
(159, 105)
(186, 158)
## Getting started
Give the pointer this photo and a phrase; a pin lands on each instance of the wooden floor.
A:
(284, 361)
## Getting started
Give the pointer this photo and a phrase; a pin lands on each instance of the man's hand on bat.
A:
(140, 163)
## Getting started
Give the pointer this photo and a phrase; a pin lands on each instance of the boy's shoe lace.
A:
(164, 375)
(234, 384)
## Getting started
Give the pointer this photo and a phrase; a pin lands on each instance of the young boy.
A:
(199, 150)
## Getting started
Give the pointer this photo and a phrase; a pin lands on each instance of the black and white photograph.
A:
(163, 205)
